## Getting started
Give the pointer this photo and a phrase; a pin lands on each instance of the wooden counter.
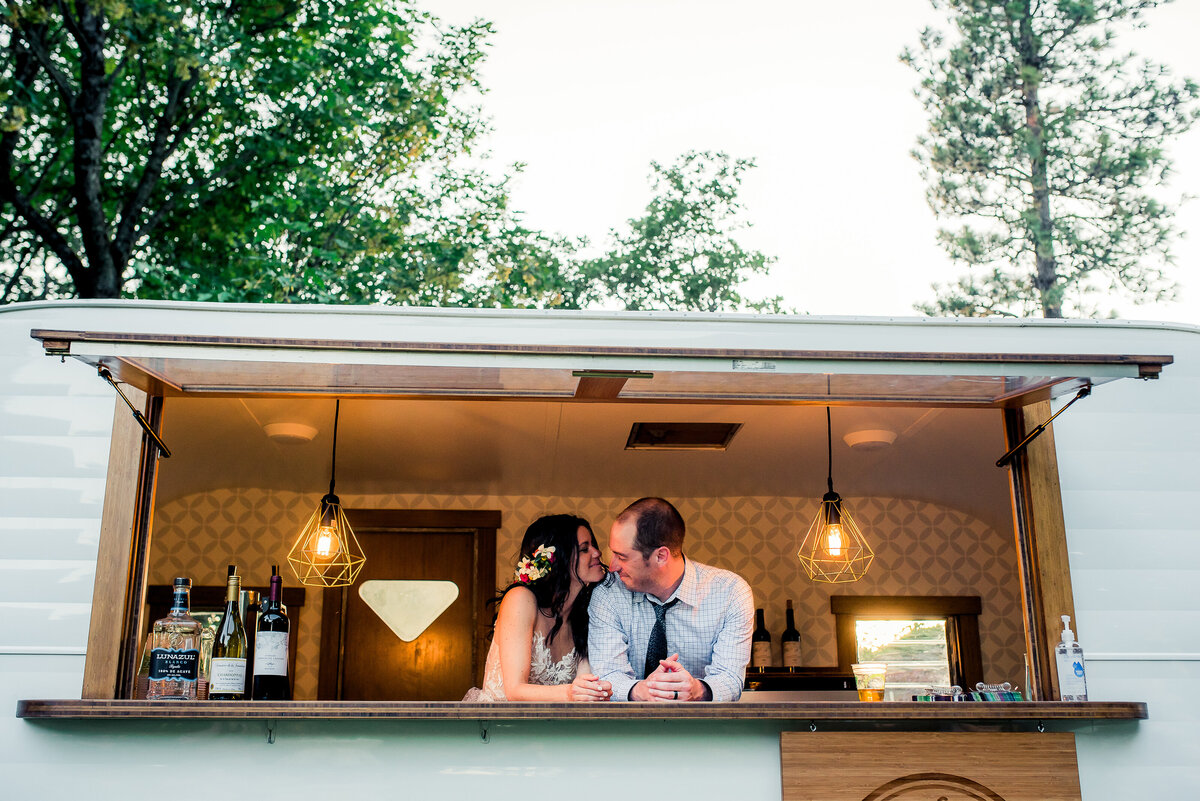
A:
(453, 710)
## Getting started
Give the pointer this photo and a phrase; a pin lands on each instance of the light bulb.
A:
(325, 543)
(833, 540)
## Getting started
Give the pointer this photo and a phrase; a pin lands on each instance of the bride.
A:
(539, 650)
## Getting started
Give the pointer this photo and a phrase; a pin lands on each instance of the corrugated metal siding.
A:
(55, 423)
(1129, 463)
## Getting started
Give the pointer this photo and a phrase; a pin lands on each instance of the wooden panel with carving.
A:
(961, 766)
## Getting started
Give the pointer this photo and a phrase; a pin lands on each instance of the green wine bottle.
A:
(227, 681)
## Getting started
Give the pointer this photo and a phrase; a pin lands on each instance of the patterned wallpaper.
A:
(921, 549)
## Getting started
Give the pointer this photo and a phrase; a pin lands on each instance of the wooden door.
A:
(362, 659)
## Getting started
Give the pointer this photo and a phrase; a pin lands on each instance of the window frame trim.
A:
(960, 612)
(111, 657)
(119, 585)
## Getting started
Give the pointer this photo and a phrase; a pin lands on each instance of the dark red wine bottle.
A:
(271, 680)
(760, 644)
(791, 641)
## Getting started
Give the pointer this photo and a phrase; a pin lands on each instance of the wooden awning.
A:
(172, 365)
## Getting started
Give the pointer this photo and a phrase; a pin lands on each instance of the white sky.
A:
(588, 93)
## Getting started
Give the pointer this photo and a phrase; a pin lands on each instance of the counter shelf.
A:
(452, 710)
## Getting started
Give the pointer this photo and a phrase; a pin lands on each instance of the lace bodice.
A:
(543, 669)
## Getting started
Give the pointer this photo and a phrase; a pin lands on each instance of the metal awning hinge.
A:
(1032, 435)
(137, 415)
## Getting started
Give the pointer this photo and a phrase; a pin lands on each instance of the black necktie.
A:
(656, 648)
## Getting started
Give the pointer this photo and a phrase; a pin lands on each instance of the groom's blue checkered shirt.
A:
(709, 628)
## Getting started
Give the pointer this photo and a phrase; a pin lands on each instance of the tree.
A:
(299, 151)
(681, 254)
(1045, 150)
(286, 150)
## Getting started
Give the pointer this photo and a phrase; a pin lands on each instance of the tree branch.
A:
(25, 68)
(71, 22)
(119, 68)
(33, 41)
(43, 228)
(88, 117)
(169, 204)
(18, 271)
(164, 144)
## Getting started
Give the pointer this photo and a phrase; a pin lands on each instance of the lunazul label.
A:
(182, 664)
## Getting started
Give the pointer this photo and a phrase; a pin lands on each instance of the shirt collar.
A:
(685, 592)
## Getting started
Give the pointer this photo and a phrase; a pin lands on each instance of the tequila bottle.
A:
(175, 650)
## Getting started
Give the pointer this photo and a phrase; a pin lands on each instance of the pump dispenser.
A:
(1072, 678)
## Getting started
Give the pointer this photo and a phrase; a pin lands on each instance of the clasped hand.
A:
(671, 682)
(588, 687)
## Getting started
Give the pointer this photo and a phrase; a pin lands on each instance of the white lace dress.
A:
(543, 669)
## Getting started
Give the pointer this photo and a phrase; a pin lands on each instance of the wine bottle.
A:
(271, 681)
(791, 640)
(175, 650)
(228, 680)
(250, 605)
(760, 643)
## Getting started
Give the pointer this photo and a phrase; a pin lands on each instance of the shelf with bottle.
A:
(227, 676)
(1030, 712)
(762, 657)
(173, 666)
(217, 620)
(271, 680)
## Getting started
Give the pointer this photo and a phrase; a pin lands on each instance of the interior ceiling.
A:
(578, 449)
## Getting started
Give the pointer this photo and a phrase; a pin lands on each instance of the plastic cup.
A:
(870, 678)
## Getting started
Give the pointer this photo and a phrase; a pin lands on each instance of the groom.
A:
(669, 628)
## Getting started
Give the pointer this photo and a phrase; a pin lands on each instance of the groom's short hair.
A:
(657, 524)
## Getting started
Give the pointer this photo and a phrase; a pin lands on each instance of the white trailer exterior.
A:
(1130, 492)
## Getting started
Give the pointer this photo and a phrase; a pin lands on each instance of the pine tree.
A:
(1046, 155)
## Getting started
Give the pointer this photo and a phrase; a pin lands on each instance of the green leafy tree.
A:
(1046, 154)
(681, 254)
(285, 150)
(300, 151)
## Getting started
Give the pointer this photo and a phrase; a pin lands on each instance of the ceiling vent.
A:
(681, 436)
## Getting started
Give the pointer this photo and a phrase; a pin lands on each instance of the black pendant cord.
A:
(337, 408)
(829, 433)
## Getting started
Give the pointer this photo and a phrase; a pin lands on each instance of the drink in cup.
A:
(870, 678)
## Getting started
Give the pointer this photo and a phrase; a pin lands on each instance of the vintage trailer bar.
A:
(469, 423)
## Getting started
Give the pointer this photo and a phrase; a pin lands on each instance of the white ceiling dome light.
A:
(870, 439)
(290, 433)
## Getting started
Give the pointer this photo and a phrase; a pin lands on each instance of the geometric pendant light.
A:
(834, 551)
(326, 553)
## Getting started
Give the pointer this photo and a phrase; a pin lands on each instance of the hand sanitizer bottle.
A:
(1072, 680)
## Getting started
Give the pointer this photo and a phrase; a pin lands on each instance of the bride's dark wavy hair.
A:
(562, 533)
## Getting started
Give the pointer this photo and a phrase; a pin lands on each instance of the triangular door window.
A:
(408, 607)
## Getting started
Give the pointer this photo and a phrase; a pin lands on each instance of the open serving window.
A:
(446, 451)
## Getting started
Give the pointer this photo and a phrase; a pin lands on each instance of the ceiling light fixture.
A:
(290, 433)
(834, 551)
(869, 439)
(327, 554)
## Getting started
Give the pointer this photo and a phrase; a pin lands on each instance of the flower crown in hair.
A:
(532, 568)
